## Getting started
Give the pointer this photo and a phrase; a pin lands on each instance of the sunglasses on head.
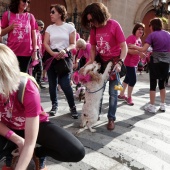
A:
(52, 12)
(26, 1)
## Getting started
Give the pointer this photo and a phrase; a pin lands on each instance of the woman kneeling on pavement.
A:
(23, 124)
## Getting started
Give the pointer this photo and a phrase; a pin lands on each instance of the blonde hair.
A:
(81, 43)
(9, 71)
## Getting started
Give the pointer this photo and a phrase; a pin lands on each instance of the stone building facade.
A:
(126, 12)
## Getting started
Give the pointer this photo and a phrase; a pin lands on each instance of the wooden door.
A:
(41, 9)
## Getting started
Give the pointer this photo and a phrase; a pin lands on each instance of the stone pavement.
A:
(140, 141)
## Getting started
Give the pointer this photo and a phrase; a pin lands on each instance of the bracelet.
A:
(9, 134)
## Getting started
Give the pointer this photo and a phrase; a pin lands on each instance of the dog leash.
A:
(118, 87)
(98, 89)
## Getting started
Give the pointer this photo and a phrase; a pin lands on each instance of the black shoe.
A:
(74, 113)
(53, 111)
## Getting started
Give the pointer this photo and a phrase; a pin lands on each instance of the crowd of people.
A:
(30, 49)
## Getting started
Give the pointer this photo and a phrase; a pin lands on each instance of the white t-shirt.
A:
(59, 35)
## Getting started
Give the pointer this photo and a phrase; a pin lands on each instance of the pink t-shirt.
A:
(85, 52)
(77, 36)
(39, 42)
(13, 113)
(19, 40)
(132, 60)
(108, 39)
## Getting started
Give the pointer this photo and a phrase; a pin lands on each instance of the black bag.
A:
(98, 59)
(62, 66)
(122, 73)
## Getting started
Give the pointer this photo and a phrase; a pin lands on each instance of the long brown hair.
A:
(99, 13)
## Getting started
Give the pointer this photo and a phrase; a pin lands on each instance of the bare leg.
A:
(152, 97)
(130, 89)
(163, 95)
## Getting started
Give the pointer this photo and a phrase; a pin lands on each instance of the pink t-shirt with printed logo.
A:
(108, 39)
(132, 60)
(13, 113)
(85, 52)
(19, 39)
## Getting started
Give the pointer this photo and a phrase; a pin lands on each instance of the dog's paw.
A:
(82, 125)
(92, 130)
(77, 132)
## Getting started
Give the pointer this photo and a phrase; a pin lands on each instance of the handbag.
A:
(62, 66)
(122, 73)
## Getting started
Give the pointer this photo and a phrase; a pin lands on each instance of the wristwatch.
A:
(66, 50)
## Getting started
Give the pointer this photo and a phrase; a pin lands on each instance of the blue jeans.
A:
(64, 82)
(112, 100)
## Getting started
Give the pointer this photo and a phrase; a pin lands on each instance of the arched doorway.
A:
(148, 16)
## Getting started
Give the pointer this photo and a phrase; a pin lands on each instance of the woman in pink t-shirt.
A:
(108, 40)
(131, 62)
(83, 53)
(20, 27)
(23, 123)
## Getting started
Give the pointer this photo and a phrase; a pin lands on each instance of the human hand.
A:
(34, 56)
(61, 54)
(132, 46)
(15, 25)
(75, 66)
(117, 68)
(55, 55)
(20, 144)
(142, 55)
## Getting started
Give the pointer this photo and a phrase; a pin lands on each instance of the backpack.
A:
(9, 13)
(23, 81)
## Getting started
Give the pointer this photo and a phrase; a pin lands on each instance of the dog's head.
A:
(90, 73)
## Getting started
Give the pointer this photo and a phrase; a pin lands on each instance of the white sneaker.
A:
(162, 107)
(150, 108)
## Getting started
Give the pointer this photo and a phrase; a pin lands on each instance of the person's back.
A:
(160, 41)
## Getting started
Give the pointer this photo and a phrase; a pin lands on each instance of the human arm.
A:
(34, 44)
(31, 132)
(92, 54)
(19, 141)
(46, 44)
(72, 45)
(123, 54)
(140, 49)
(136, 52)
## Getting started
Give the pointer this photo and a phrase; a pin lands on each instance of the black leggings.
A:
(24, 63)
(153, 84)
(54, 142)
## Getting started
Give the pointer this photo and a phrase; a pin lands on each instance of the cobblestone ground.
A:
(140, 141)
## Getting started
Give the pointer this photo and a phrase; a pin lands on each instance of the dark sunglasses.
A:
(26, 1)
(52, 12)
